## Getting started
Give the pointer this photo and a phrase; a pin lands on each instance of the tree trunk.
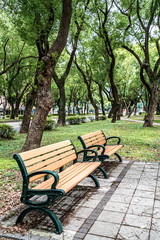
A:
(101, 99)
(4, 107)
(87, 108)
(119, 112)
(62, 104)
(31, 96)
(44, 104)
(12, 111)
(111, 111)
(116, 109)
(148, 121)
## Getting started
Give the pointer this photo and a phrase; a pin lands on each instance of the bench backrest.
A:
(50, 157)
(93, 138)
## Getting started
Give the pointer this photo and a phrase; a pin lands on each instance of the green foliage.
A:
(20, 116)
(102, 117)
(7, 131)
(83, 119)
(91, 118)
(73, 120)
(49, 124)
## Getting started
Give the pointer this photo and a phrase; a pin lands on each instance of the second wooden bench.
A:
(98, 141)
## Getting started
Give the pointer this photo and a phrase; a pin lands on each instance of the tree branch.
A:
(133, 53)
(14, 63)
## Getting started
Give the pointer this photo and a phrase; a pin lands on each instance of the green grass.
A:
(141, 118)
(140, 143)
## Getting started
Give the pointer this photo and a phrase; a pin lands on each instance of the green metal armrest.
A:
(89, 150)
(119, 140)
(54, 174)
(99, 146)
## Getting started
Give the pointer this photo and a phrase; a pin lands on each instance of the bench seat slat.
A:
(63, 176)
(80, 171)
(42, 150)
(110, 150)
(78, 178)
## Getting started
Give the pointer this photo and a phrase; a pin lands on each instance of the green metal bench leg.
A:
(48, 212)
(103, 171)
(95, 180)
(120, 159)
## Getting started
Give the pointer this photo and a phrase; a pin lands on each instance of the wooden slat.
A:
(42, 150)
(49, 161)
(47, 155)
(89, 135)
(113, 150)
(79, 168)
(64, 176)
(56, 165)
(100, 141)
(82, 171)
(94, 138)
(79, 177)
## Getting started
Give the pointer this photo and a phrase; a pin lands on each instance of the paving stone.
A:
(149, 175)
(144, 194)
(156, 224)
(68, 235)
(116, 207)
(111, 217)
(151, 182)
(157, 203)
(128, 185)
(104, 229)
(140, 210)
(129, 180)
(98, 196)
(121, 198)
(94, 237)
(92, 203)
(83, 212)
(137, 221)
(123, 191)
(142, 201)
(146, 187)
(156, 213)
(132, 233)
(73, 223)
(154, 235)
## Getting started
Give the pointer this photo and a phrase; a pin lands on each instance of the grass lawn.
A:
(140, 143)
(141, 118)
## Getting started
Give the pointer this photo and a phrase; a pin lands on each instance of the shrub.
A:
(49, 124)
(73, 120)
(20, 116)
(91, 118)
(83, 119)
(102, 117)
(7, 131)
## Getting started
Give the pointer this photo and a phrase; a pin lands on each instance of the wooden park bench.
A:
(97, 141)
(38, 164)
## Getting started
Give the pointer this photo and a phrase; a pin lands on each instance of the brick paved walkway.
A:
(127, 206)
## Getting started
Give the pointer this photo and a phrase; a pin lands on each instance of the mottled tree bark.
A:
(148, 120)
(31, 96)
(48, 63)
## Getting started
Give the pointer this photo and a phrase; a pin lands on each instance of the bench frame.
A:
(52, 194)
(101, 156)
